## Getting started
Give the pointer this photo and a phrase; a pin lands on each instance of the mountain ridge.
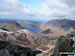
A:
(25, 38)
(58, 27)
(62, 23)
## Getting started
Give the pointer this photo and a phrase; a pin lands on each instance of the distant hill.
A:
(32, 26)
(9, 26)
(14, 25)
(7, 20)
(58, 27)
(62, 23)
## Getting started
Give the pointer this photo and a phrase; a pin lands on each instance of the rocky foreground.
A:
(24, 42)
(7, 49)
(25, 38)
(65, 44)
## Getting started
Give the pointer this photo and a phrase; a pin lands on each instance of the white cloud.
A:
(13, 7)
(51, 9)
(70, 3)
(60, 8)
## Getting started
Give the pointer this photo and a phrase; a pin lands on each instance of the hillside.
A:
(32, 26)
(62, 23)
(20, 24)
(9, 26)
(58, 27)
(25, 38)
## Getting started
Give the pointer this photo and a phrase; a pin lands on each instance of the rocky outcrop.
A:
(65, 44)
(25, 38)
(7, 49)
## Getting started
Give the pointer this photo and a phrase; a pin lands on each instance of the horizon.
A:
(43, 21)
(37, 10)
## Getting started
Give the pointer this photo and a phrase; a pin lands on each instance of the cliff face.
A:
(65, 44)
(7, 49)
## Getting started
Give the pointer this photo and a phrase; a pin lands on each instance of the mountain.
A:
(25, 38)
(32, 26)
(58, 27)
(62, 23)
(7, 20)
(11, 25)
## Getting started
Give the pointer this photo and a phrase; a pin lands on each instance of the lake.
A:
(47, 38)
(33, 29)
(37, 52)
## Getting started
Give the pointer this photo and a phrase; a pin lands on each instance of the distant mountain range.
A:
(14, 25)
(62, 23)
(52, 27)
(58, 27)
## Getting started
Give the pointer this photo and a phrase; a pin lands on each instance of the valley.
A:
(40, 38)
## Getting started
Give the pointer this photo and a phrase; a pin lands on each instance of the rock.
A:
(4, 53)
(65, 44)
(7, 49)
(24, 38)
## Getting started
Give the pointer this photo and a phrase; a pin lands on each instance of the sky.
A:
(37, 9)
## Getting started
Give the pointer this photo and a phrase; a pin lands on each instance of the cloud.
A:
(60, 8)
(50, 9)
(12, 7)
(70, 3)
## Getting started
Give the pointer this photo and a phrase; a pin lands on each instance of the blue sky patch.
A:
(33, 3)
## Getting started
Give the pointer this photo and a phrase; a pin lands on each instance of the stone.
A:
(7, 49)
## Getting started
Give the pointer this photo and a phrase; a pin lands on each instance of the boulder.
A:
(7, 49)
